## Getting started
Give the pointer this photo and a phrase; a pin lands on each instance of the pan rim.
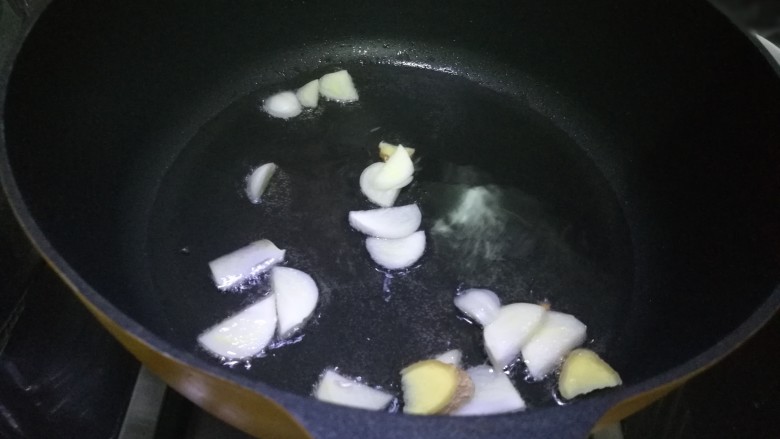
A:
(709, 356)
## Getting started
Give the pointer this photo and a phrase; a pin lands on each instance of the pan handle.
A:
(574, 421)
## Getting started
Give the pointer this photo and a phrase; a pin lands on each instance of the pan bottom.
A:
(509, 201)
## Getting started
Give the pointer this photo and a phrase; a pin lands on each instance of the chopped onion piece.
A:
(388, 149)
(296, 297)
(480, 305)
(309, 94)
(452, 357)
(389, 222)
(257, 182)
(341, 390)
(376, 196)
(506, 335)
(338, 86)
(398, 169)
(244, 334)
(397, 253)
(558, 334)
(236, 267)
(283, 105)
(494, 393)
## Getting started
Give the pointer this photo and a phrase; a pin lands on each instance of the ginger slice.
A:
(584, 371)
(463, 393)
(432, 387)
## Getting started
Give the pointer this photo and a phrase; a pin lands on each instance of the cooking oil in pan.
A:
(509, 201)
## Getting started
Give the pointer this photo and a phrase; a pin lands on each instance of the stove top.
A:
(59, 370)
(62, 375)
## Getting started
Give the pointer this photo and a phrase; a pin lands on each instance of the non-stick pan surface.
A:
(503, 188)
(620, 165)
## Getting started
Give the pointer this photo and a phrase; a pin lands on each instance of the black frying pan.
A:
(629, 154)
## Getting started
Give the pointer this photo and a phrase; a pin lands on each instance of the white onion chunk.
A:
(309, 94)
(506, 335)
(494, 393)
(337, 389)
(383, 198)
(245, 263)
(258, 181)
(453, 357)
(558, 334)
(399, 253)
(396, 172)
(244, 334)
(390, 222)
(480, 305)
(338, 86)
(283, 105)
(296, 297)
